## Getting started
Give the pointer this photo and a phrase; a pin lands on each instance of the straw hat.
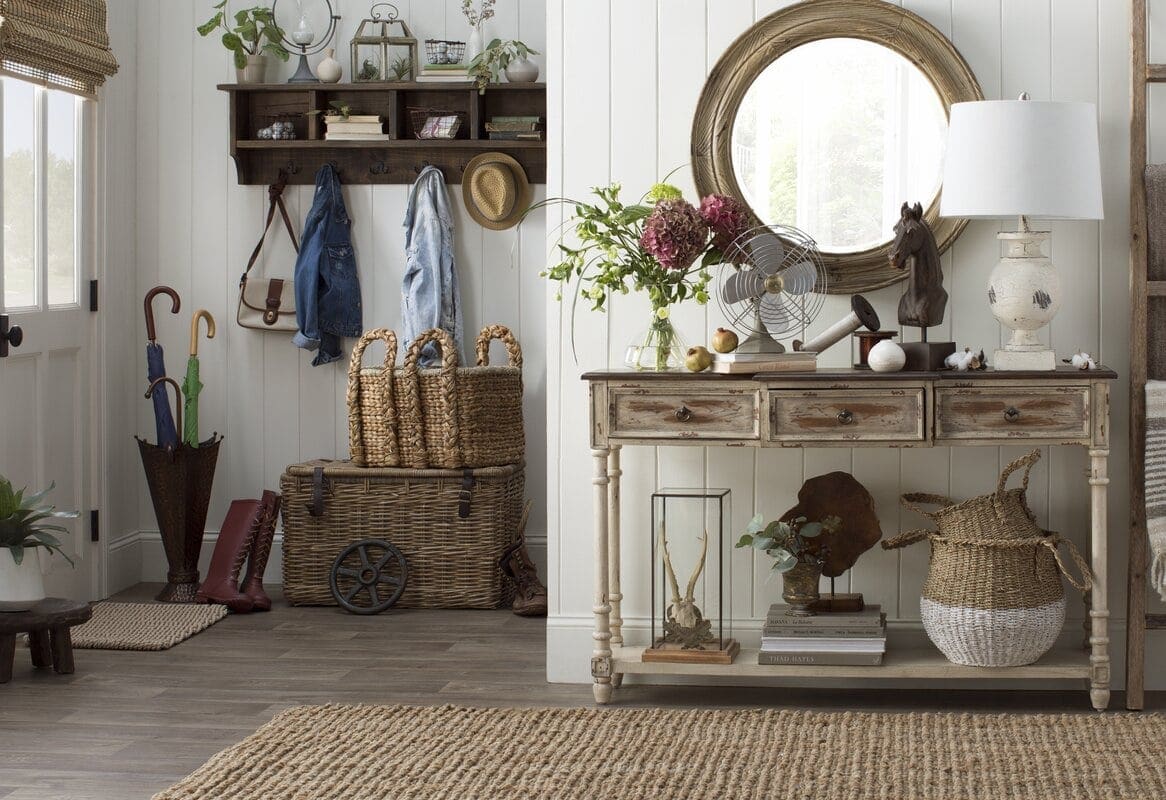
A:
(495, 190)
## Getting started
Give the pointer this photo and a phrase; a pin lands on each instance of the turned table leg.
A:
(61, 642)
(1098, 609)
(614, 592)
(38, 643)
(7, 654)
(601, 655)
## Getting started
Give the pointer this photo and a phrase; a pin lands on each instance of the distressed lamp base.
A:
(1024, 293)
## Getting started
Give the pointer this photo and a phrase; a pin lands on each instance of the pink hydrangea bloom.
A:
(674, 234)
(727, 217)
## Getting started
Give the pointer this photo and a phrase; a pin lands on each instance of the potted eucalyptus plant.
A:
(23, 531)
(510, 57)
(797, 555)
(254, 36)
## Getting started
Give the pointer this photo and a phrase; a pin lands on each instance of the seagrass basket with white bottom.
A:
(993, 595)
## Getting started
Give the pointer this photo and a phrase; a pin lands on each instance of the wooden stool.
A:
(47, 625)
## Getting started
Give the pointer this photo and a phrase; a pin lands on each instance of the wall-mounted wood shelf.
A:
(397, 159)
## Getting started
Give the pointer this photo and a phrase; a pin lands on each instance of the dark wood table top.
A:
(48, 613)
(856, 375)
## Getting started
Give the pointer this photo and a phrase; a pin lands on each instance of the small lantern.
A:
(378, 55)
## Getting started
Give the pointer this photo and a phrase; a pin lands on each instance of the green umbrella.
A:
(191, 386)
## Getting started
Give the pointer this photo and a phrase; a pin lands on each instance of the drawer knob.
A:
(845, 417)
(684, 414)
(1011, 414)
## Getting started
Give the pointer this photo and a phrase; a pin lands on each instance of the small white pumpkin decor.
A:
(967, 360)
(23, 531)
(886, 356)
(1081, 361)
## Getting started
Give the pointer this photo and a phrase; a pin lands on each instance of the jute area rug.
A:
(370, 752)
(144, 626)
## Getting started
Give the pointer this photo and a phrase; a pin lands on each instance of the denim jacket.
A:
(326, 284)
(429, 293)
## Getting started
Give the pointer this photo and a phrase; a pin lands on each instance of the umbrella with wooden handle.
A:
(192, 386)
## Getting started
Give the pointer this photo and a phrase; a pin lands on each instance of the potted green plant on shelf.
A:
(254, 35)
(510, 57)
(23, 530)
(796, 552)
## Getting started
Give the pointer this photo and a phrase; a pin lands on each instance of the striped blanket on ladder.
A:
(1156, 481)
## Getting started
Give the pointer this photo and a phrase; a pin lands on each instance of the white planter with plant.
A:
(23, 530)
(255, 35)
(511, 57)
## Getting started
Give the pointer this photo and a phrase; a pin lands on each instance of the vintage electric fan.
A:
(772, 285)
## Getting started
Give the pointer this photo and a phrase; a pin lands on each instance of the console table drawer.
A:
(700, 414)
(1007, 413)
(847, 415)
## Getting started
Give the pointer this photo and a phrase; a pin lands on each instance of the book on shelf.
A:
(355, 137)
(516, 118)
(822, 633)
(516, 136)
(822, 659)
(722, 367)
(506, 127)
(443, 67)
(870, 617)
(355, 127)
(333, 119)
(790, 644)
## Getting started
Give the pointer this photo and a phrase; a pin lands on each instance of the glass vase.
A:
(657, 349)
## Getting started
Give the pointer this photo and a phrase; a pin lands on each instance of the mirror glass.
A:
(834, 136)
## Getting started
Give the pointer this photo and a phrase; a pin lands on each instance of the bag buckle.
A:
(465, 494)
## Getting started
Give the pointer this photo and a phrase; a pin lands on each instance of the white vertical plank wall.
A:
(624, 79)
(195, 227)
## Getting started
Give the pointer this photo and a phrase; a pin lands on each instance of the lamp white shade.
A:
(1011, 158)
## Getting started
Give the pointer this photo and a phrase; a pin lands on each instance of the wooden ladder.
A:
(1142, 74)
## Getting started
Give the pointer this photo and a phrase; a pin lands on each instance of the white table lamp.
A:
(1023, 158)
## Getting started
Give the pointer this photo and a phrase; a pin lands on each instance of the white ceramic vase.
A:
(886, 356)
(256, 69)
(474, 44)
(522, 70)
(21, 585)
(329, 69)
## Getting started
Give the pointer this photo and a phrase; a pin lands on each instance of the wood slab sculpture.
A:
(839, 494)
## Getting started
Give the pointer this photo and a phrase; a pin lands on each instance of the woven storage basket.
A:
(452, 526)
(993, 595)
(450, 417)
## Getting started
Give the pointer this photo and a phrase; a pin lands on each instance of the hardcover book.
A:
(822, 659)
(870, 617)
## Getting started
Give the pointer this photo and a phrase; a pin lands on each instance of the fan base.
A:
(760, 343)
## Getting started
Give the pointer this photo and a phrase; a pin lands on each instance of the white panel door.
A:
(45, 382)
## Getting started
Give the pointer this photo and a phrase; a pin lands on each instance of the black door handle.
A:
(9, 336)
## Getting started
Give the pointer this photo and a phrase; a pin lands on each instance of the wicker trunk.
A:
(452, 525)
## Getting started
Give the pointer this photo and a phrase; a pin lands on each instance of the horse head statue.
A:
(914, 249)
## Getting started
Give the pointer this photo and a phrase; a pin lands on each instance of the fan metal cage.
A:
(772, 281)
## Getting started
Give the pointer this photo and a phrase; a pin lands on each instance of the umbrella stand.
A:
(180, 482)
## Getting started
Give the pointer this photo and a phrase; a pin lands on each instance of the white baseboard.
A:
(123, 563)
(144, 549)
(569, 647)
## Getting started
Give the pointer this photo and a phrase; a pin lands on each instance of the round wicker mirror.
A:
(796, 97)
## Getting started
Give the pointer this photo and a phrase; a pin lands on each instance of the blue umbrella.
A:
(156, 368)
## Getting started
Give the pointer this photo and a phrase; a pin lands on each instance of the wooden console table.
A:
(846, 408)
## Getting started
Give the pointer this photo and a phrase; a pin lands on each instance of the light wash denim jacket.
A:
(429, 293)
(328, 304)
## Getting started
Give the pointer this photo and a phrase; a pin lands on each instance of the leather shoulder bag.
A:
(269, 304)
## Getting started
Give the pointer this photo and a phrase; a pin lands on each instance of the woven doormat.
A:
(340, 752)
(144, 626)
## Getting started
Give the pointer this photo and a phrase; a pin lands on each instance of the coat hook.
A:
(422, 166)
(292, 168)
(378, 168)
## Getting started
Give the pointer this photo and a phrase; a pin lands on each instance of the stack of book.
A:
(515, 128)
(828, 638)
(450, 73)
(354, 128)
(750, 363)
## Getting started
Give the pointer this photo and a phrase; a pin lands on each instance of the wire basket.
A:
(436, 123)
(444, 51)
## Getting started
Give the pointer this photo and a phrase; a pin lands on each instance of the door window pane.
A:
(61, 195)
(19, 209)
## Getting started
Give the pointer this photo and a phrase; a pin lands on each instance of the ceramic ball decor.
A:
(329, 69)
(886, 356)
(521, 70)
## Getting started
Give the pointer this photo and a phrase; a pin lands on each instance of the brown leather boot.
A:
(235, 537)
(530, 599)
(261, 551)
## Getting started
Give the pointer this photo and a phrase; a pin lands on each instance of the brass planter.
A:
(800, 589)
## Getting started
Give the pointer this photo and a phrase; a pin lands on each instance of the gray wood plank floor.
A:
(129, 724)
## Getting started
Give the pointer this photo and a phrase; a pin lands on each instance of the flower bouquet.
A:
(663, 245)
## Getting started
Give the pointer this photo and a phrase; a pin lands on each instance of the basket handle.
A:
(412, 417)
(1025, 461)
(906, 538)
(356, 449)
(1053, 541)
(490, 332)
(910, 501)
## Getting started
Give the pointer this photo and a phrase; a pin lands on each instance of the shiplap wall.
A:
(624, 79)
(195, 227)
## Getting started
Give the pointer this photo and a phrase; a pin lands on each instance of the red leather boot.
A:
(261, 551)
(235, 538)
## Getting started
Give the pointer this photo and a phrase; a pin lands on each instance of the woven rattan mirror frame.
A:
(873, 20)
